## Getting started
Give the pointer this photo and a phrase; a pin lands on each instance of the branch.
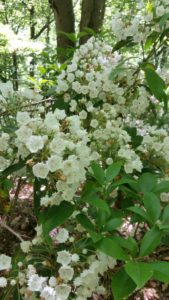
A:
(43, 29)
(4, 225)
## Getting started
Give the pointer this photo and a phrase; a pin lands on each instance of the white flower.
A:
(6, 88)
(30, 271)
(62, 235)
(75, 257)
(63, 291)
(4, 142)
(25, 246)
(35, 143)
(5, 262)
(23, 133)
(83, 115)
(13, 282)
(64, 257)
(52, 281)
(4, 163)
(23, 118)
(51, 122)
(36, 283)
(66, 273)
(48, 293)
(109, 161)
(54, 163)
(40, 170)
(60, 114)
(3, 282)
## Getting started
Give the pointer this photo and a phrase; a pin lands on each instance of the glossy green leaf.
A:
(112, 171)
(140, 272)
(111, 248)
(98, 173)
(161, 271)
(156, 85)
(151, 39)
(139, 211)
(152, 206)
(162, 187)
(147, 182)
(163, 20)
(150, 241)
(55, 216)
(165, 216)
(122, 285)
(127, 243)
(93, 200)
(113, 224)
(85, 222)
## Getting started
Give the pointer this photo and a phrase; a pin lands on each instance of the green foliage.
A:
(156, 85)
(55, 216)
(135, 272)
(140, 272)
(122, 285)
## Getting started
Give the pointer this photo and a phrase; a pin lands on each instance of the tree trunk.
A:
(65, 22)
(92, 15)
(32, 37)
(15, 71)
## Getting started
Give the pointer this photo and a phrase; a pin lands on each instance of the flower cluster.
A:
(140, 26)
(111, 115)
(58, 146)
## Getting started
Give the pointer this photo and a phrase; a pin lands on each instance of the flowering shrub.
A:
(97, 155)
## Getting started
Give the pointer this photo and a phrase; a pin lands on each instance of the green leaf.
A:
(55, 216)
(129, 192)
(123, 43)
(147, 182)
(151, 39)
(102, 218)
(116, 71)
(156, 85)
(122, 285)
(112, 171)
(89, 30)
(42, 69)
(129, 244)
(85, 222)
(111, 248)
(165, 216)
(152, 206)
(162, 187)
(150, 241)
(98, 173)
(95, 236)
(113, 224)
(70, 36)
(14, 168)
(135, 138)
(161, 271)
(163, 20)
(93, 200)
(120, 182)
(139, 211)
(140, 272)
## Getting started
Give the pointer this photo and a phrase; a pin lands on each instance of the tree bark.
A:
(15, 71)
(65, 22)
(92, 15)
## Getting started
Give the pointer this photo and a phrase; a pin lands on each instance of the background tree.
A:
(92, 15)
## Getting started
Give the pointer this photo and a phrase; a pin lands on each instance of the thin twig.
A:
(4, 225)
(15, 199)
